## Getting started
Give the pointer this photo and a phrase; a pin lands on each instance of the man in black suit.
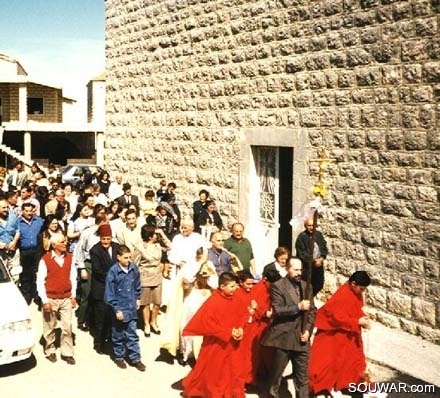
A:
(290, 304)
(127, 198)
(102, 257)
(319, 254)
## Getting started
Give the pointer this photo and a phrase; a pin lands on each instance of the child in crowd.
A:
(122, 294)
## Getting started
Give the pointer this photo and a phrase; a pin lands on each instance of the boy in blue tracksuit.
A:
(122, 292)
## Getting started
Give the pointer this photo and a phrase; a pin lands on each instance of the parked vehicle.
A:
(72, 172)
(17, 336)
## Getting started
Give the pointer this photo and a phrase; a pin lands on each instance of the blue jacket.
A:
(122, 289)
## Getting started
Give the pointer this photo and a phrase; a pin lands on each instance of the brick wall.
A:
(52, 111)
(185, 77)
(52, 102)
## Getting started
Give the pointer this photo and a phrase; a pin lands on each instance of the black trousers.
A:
(102, 323)
(300, 365)
(28, 277)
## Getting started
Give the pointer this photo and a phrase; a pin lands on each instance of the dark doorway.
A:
(55, 148)
(285, 196)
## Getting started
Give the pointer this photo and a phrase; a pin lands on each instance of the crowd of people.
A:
(97, 252)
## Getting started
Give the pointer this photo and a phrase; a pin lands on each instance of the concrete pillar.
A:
(27, 145)
(99, 144)
(22, 103)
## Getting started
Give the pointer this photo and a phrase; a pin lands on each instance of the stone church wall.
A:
(185, 77)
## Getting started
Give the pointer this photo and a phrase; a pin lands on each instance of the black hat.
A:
(126, 186)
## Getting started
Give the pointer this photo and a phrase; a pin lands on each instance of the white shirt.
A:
(42, 275)
(115, 190)
(281, 270)
(184, 248)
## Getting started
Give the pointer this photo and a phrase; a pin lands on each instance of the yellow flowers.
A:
(320, 189)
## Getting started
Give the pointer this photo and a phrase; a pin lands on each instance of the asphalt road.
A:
(97, 376)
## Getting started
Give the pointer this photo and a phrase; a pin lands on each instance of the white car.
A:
(72, 172)
(17, 336)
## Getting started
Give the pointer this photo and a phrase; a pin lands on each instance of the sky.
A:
(58, 42)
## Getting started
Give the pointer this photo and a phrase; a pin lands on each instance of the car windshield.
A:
(4, 276)
(65, 169)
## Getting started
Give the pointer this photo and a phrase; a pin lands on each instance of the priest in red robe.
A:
(220, 320)
(337, 356)
(255, 297)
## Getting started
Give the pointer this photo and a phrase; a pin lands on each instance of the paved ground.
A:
(96, 375)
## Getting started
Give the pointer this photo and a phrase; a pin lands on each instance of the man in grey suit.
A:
(285, 334)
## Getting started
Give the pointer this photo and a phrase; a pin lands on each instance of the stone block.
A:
(429, 333)
(396, 208)
(409, 326)
(309, 118)
(418, 176)
(408, 160)
(368, 76)
(428, 194)
(427, 116)
(412, 73)
(405, 192)
(363, 96)
(372, 203)
(371, 238)
(432, 290)
(356, 254)
(395, 139)
(398, 303)
(432, 233)
(394, 174)
(414, 286)
(386, 158)
(357, 56)
(431, 72)
(375, 139)
(431, 269)
(373, 257)
(347, 78)
(423, 311)
(415, 247)
(376, 297)
(413, 50)
(426, 211)
(388, 319)
(391, 74)
(354, 202)
(356, 139)
(433, 138)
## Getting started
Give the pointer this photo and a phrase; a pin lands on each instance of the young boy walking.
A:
(122, 293)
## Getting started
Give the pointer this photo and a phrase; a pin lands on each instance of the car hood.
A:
(13, 306)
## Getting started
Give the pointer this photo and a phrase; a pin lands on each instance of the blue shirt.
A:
(29, 232)
(122, 289)
(221, 260)
(8, 229)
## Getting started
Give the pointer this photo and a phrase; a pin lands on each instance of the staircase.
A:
(17, 155)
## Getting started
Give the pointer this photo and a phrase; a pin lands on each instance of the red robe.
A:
(337, 355)
(217, 370)
(255, 326)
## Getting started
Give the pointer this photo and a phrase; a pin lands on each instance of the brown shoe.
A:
(52, 357)
(120, 363)
(140, 366)
(69, 360)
